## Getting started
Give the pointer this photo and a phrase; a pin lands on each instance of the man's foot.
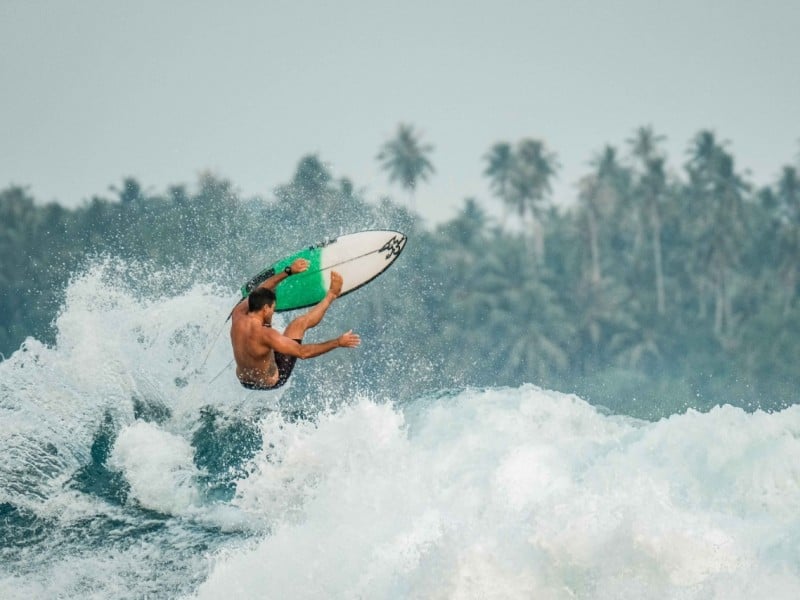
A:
(336, 284)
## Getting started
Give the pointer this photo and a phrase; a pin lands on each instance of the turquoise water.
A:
(129, 469)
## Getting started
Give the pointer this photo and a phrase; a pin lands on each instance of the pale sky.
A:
(95, 90)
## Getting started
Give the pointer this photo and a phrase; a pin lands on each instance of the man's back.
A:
(254, 357)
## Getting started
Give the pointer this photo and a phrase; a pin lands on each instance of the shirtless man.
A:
(264, 357)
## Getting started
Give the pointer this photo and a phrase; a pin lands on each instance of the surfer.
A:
(264, 357)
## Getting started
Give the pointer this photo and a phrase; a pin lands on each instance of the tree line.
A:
(661, 288)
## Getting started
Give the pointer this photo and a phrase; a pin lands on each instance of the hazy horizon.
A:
(97, 91)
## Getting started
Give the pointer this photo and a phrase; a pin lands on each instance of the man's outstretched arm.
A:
(284, 345)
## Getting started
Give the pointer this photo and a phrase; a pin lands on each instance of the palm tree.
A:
(468, 226)
(589, 219)
(601, 194)
(130, 192)
(530, 182)
(500, 171)
(312, 190)
(788, 199)
(406, 159)
(651, 186)
(520, 177)
(534, 167)
(718, 197)
(463, 241)
(528, 327)
(645, 144)
(312, 176)
(654, 186)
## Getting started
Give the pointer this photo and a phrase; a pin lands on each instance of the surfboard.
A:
(359, 257)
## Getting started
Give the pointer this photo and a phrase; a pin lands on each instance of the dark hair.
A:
(259, 298)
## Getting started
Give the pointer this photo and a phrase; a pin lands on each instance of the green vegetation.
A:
(661, 289)
(406, 160)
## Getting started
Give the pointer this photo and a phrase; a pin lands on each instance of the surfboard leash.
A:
(210, 348)
(225, 368)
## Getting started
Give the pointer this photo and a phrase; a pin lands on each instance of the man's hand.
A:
(349, 340)
(299, 265)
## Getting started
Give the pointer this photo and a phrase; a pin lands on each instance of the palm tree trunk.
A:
(722, 308)
(718, 309)
(639, 233)
(537, 232)
(660, 299)
(790, 283)
(702, 287)
(594, 248)
(728, 306)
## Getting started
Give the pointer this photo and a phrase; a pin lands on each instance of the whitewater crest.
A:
(129, 468)
(99, 478)
(117, 352)
(520, 493)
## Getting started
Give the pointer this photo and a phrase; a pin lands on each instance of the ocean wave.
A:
(129, 467)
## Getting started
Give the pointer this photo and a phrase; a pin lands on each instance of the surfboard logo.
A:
(323, 243)
(393, 247)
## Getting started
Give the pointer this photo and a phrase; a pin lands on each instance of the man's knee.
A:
(303, 322)
(298, 327)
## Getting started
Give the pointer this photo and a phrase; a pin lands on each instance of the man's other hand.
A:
(299, 265)
(349, 340)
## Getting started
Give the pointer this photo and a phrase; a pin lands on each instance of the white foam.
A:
(116, 342)
(519, 493)
(499, 493)
(158, 466)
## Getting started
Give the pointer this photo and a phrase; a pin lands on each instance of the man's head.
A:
(260, 298)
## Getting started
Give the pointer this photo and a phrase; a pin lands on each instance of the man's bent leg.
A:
(298, 327)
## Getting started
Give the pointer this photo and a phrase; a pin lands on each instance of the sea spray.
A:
(87, 426)
(158, 467)
(519, 493)
(127, 471)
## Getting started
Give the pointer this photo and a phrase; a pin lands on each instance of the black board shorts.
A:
(285, 364)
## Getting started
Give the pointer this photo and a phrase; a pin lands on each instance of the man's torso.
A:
(255, 360)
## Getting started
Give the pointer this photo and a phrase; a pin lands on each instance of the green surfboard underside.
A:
(299, 290)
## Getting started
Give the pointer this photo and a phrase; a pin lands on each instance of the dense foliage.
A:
(657, 291)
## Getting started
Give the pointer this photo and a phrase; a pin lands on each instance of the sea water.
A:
(133, 465)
